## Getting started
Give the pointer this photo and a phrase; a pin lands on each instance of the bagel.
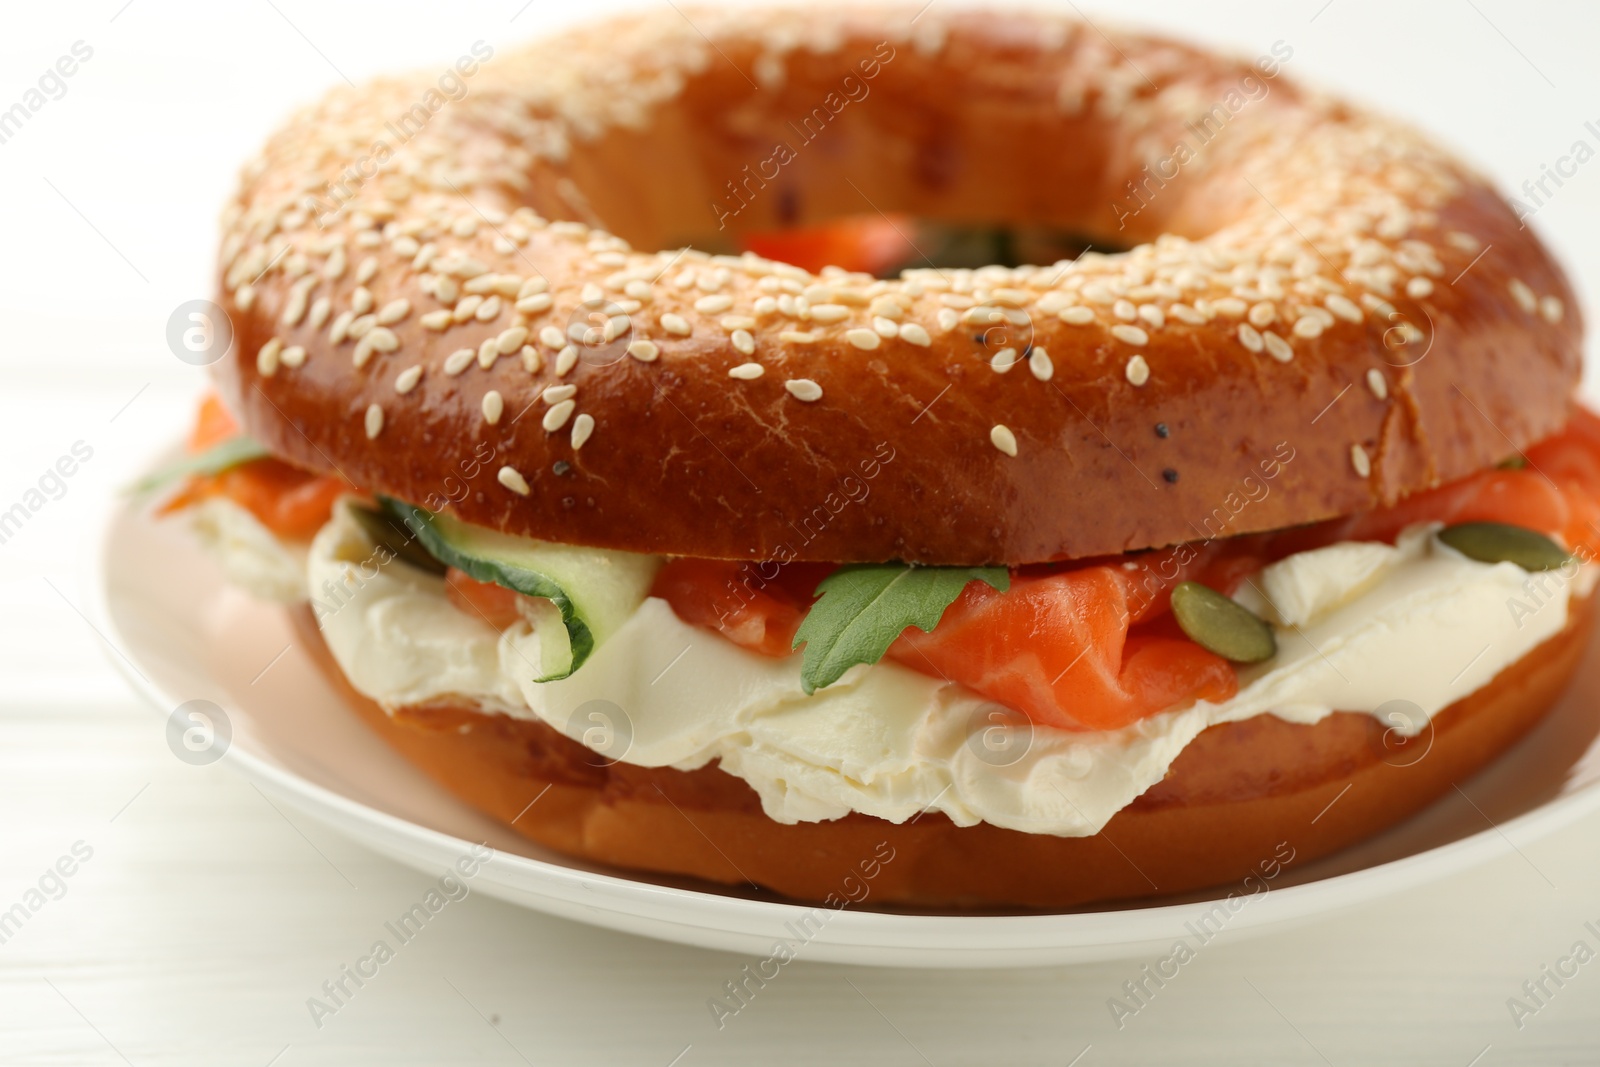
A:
(1289, 260)
(1282, 471)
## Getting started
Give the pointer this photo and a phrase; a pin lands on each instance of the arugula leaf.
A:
(865, 606)
(221, 456)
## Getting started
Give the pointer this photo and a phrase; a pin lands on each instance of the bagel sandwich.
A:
(777, 444)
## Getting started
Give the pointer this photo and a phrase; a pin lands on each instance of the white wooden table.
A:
(205, 917)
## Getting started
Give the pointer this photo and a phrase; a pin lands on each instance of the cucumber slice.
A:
(221, 456)
(592, 590)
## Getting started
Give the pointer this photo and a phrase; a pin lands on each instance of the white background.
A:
(205, 918)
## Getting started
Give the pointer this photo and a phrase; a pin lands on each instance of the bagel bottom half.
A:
(1233, 800)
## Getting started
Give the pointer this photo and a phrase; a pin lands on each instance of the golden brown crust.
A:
(1303, 243)
(1233, 800)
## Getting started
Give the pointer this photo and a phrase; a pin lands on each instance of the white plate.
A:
(186, 635)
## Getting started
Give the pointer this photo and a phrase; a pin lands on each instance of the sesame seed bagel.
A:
(482, 303)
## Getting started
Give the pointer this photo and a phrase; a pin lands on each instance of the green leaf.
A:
(864, 607)
(224, 455)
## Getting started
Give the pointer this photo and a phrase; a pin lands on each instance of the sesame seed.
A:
(1277, 347)
(293, 356)
(488, 352)
(366, 270)
(864, 339)
(467, 307)
(1040, 364)
(1261, 315)
(1137, 370)
(513, 480)
(1185, 313)
(374, 421)
(1132, 335)
(747, 372)
(362, 326)
(1523, 295)
(532, 359)
(885, 327)
(1231, 306)
(714, 304)
(566, 359)
(644, 351)
(488, 310)
(675, 324)
(1378, 383)
(494, 405)
(827, 313)
(1001, 437)
(1419, 287)
(912, 333)
(797, 337)
(394, 311)
(582, 427)
(459, 360)
(446, 290)
(267, 358)
(552, 337)
(803, 389)
(1250, 337)
(533, 305)
(244, 297)
(743, 341)
(1003, 360)
(1552, 309)
(319, 312)
(407, 379)
(558, 415)
(295, 309)
(555, 394)
(1359, 460)
(436, 320)
(1343, 307)
(1124, 310)
(511, 339)
(948, 319)
(1308, 326)
(340, 328)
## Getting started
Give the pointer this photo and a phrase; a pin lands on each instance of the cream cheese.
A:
(1358, 625)
(251, 556)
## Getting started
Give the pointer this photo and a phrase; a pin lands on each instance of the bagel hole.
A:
(971, 156)
(884, 245)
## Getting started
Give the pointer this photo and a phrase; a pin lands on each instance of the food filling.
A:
(1043, 698)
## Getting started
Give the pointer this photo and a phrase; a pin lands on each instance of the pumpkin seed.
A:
(1218, 624)
(387, 532)
(1499, 542)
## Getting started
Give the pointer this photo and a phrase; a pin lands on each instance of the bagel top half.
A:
(445, 299)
